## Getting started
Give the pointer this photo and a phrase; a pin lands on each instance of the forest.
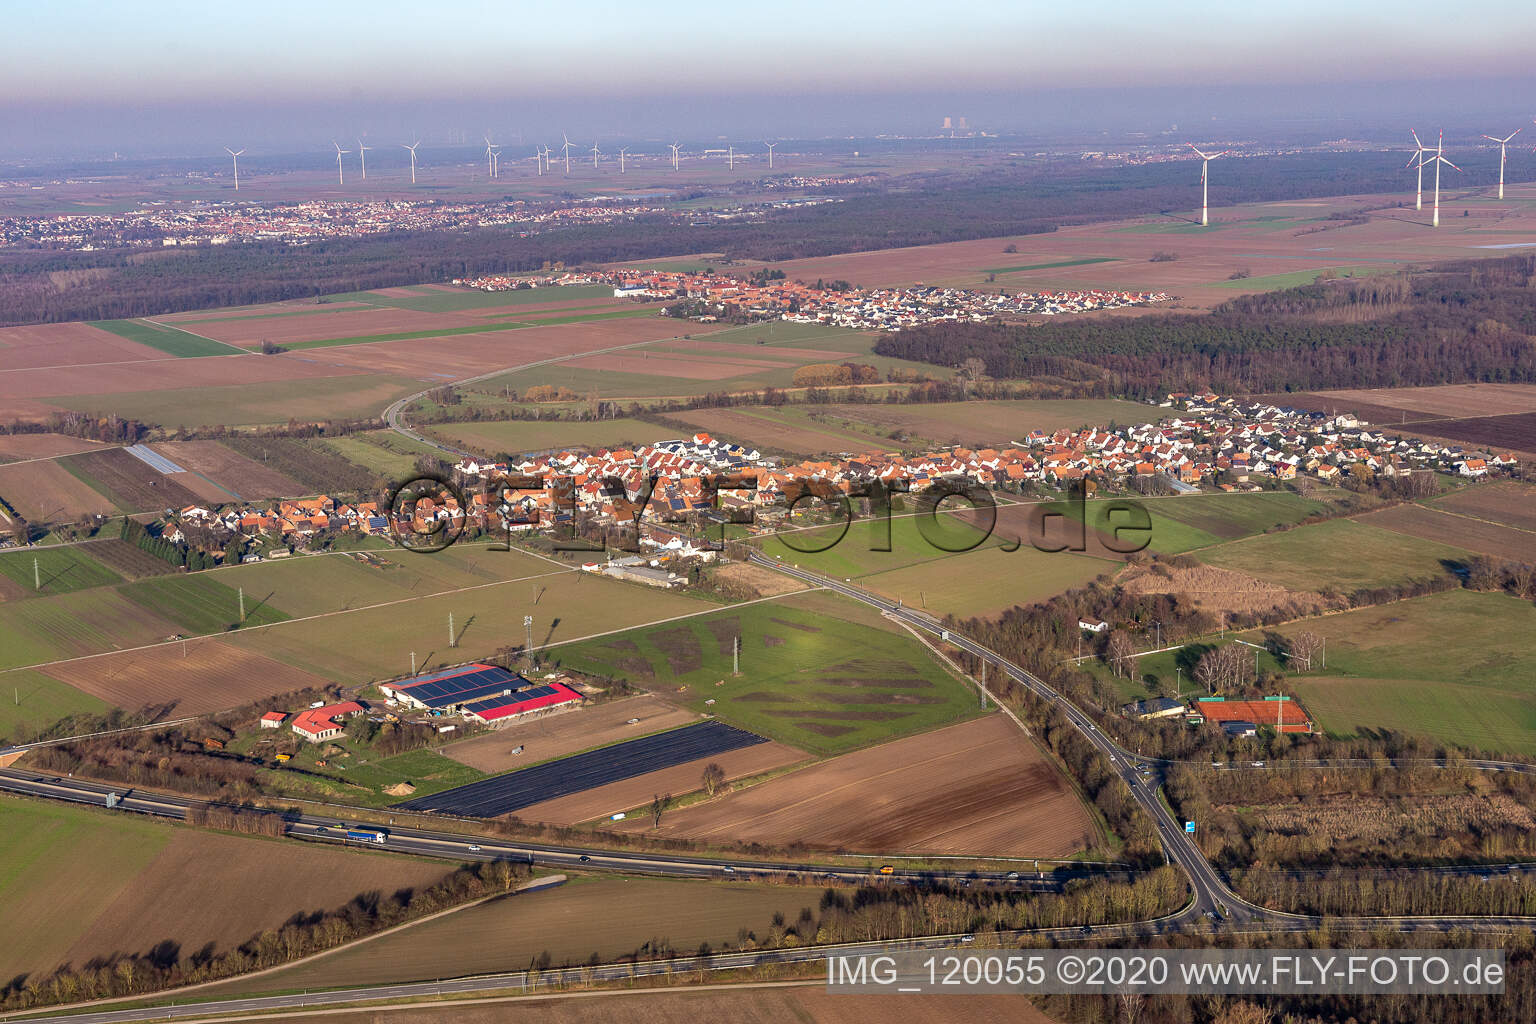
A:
(899, 210)
(1468, 321)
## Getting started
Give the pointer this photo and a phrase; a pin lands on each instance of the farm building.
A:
(1154, 707)
(1280, 713)
(324, 723)
(482, 693)
(273, 720)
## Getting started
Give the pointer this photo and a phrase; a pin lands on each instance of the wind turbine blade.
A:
(1416, 156)
(1416, 141)
(1445, 161)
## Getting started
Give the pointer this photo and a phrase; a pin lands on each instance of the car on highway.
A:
(583, 858)
(728, 870)
(473, 848)
(1258, 764)
(322, 828)
(967, 938)
(1013, 876)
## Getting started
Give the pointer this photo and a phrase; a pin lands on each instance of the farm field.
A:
(307, 462)
(45, 492)
(607, 916)
(77, 885)
(987, 581)
(282, 395)
(76, 624)
(219, 474)
(1341, 554)
(568, 733)
(72, 344)
(1452, 401)
(60, 570)
(448, 299)
(130, 484)
(978, 788)
(170, 340)
(20, 447)
(1192, 521)
(817, 673)
(1454, 667)
(127, 560)
(811, 1004)
(387, 455)
(199, 603)
(523, 436)
(512, 793)
(1511, 433)
(1474, 535)
(858, 552)
(977, 423)
(787, 429)
(37, 702)
(1509, 503)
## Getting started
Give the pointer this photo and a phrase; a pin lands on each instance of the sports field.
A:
(1455, 667)
(817, 673)
(1339, 554)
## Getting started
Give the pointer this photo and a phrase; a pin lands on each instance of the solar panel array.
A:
(444, 689)
(520, 697)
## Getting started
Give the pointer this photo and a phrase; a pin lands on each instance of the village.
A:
(1206, 443)
(710, 297)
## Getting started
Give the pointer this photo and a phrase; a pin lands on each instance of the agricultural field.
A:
(219, 474)
(165, 338)
(609, 917)
(78, 885)
(278, 396)
(816, 673)
(1514, 433)
(977, 423)
(447, 299)
(1474, 535)
(561, 735)
(76, 624)
(130, 484)
(58, 569)
(34, 701)
(1340, 554)
(306, 462)
(200, 604)
(387, 455)
(1192, 521)
(1455, 667)
(524, 436)
(74, 344)
(789, 429)
(24, 447)
(1449, 401)
(127, 560)
(980, 788)
(1508, 503)
(987, 581)
(45, 492)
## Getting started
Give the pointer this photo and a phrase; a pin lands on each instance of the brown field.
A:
(212, 675)
(811, 1004)
(19, 447)
(230, 472)
(762, 431)
(207, 888)
(1247, 237)
(284, 330)
(137, 485)
(677, 364)
(1514, 433)
(591, 305)
(1472, 534)
(290, 306)
(161, 375)
(1028, 523)
(469, 354)
(1220, 590)
(766, 582)
(1506, 501)
(726, 348)
(128, 560)
(74, 344)
(1331, 402)
(1381, 820)
(568, 733)
(45, 492)
(683, 778)
(1454, 401)
(978, 788)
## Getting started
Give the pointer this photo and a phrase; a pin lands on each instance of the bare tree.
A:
(659, 805)
(713, 779)
(1304, 647)
(1121, 654)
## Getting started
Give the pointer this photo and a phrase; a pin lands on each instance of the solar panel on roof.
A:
(520, 697)
(461, 685)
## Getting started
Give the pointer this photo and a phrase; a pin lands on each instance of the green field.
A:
(1456, 667)
(1299, 278)
(31, 701)
(61, 569)
(200, 604)
(1082, 262)
(987, 581)
(77, 623)
(520, 436)
(978, 423)
(165, 338)
(485, 328)
(1192, 521)
(858, 552)
(434, 300)
(816, 672)
(1340, 554)
(315, 398)
(385, 453)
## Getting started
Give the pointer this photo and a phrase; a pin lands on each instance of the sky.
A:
(158, 75)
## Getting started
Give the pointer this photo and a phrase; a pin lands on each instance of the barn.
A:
(482, 693)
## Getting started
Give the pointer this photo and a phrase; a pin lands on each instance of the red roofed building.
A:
(317, 724)
(273, 719)
(501, 710)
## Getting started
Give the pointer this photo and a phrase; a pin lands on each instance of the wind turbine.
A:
(594, 154)
(566, 149)
(1502, 144)
(1205, 189)
(730, 156)
(622, 151)
(490, 158)
(362, 154)
(1439, 159)
(538, 159)
(235, 156)
(770, 146)
(674, 156)
(412, 148)
(1418, 202)
(339, 154)
(496, 162)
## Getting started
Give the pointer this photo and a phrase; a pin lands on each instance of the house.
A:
(273, 720)
(323, 723)
(1092, 625)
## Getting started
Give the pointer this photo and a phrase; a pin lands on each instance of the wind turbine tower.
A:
(730, 157)
(594, 155)
(412, 148)
(340, 179)
(490, 158)
(1418, 202)
(1205, 186)
(1503, 143)
(235, 156)
(674, 156)
(770, 146)
(622, 151)
(362, 155)
(496, 161)
(566, 149)
(1440, 159)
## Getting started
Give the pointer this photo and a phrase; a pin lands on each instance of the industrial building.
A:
(481, 693)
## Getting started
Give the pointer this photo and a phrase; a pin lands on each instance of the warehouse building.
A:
(486, 694)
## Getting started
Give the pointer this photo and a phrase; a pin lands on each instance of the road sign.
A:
(1189, 827)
